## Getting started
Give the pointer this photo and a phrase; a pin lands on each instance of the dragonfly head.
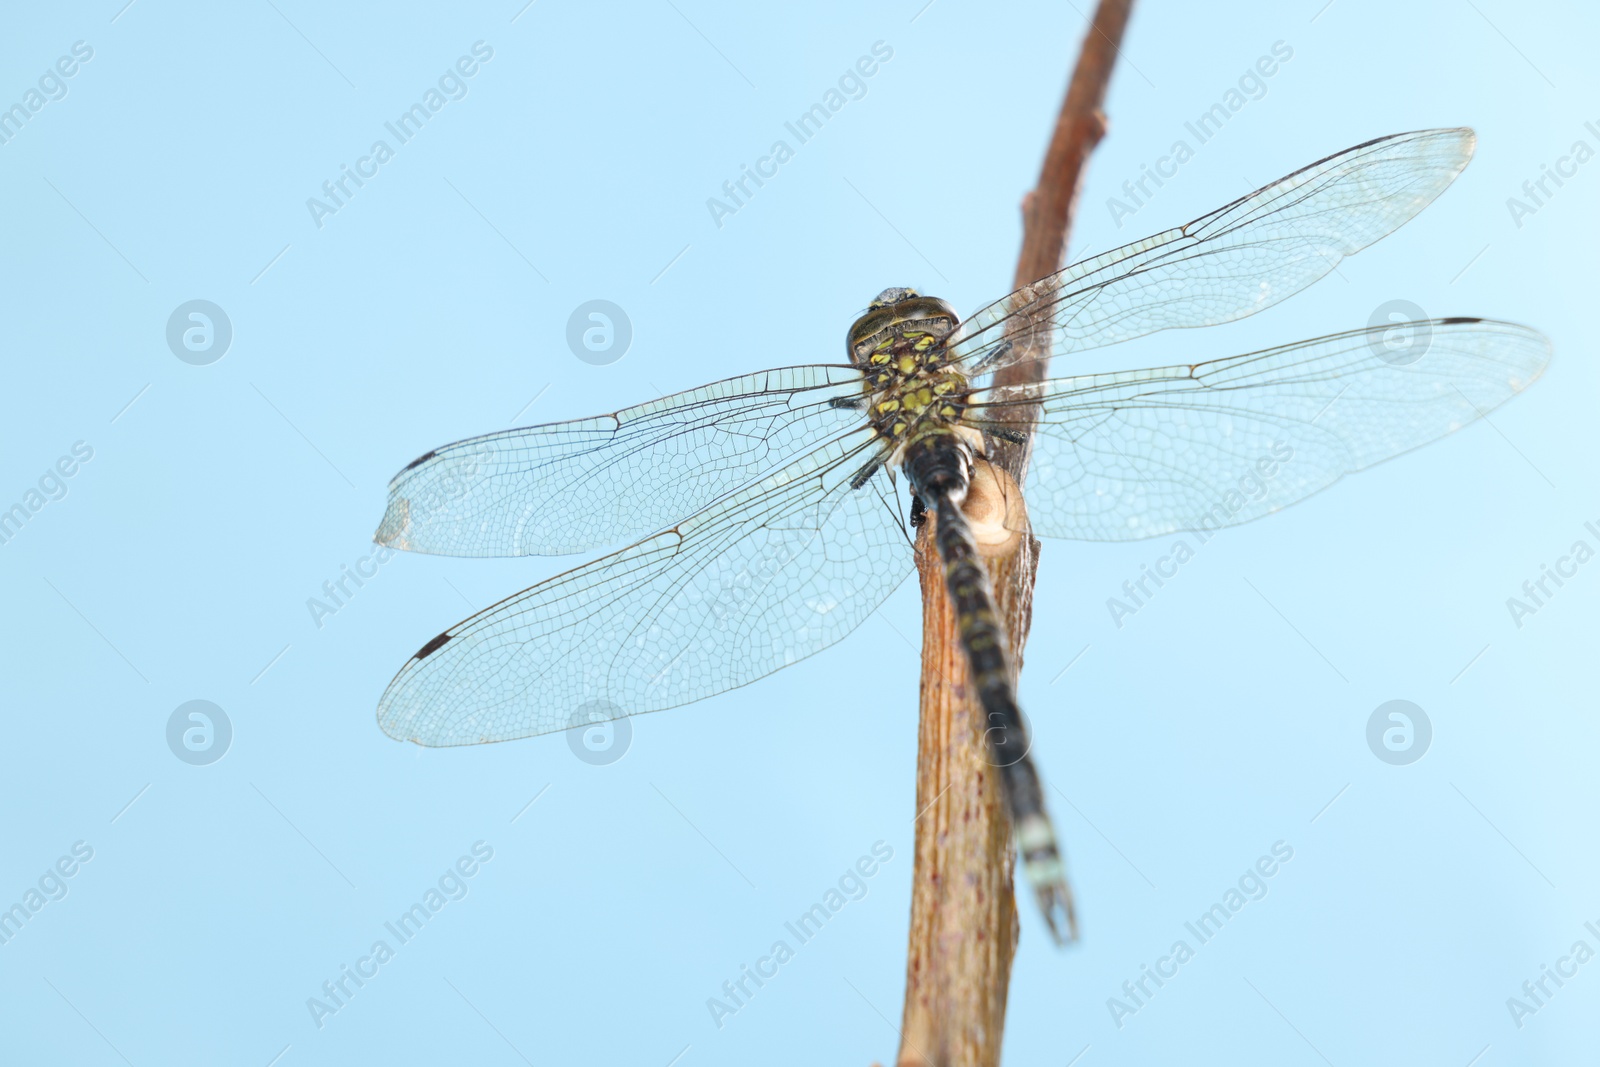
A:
(891, 296)
(896, 311)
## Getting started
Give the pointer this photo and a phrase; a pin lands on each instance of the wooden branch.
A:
(964, 924)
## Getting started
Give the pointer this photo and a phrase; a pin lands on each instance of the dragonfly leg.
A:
(1005, 433)
(988, 362)
(864, 475)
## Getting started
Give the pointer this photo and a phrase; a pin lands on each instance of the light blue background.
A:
(179, 564)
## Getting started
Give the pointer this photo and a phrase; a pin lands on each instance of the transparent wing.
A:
(762, 579)
(570, 486)
(1137, 454)
(1231, 263)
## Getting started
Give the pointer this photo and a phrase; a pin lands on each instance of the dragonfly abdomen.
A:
(938, 464)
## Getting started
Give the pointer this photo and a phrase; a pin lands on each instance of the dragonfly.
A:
(765, 512)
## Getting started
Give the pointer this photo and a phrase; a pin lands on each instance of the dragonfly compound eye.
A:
(892, 295)
(899, 308)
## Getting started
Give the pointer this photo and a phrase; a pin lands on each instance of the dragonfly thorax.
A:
(900, 344)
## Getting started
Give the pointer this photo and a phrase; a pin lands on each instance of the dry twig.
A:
(963, 914)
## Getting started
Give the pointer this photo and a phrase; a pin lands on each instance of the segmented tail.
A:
(939, 472)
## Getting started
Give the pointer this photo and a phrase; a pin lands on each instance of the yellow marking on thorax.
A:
(912, 390)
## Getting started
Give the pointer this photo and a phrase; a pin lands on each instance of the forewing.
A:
(1225, 265)
(1137, 454)
(760, 580)
(571, 486)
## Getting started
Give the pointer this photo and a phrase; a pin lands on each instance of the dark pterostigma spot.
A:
(1457, 320)
(432, 646)
(419, 461)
